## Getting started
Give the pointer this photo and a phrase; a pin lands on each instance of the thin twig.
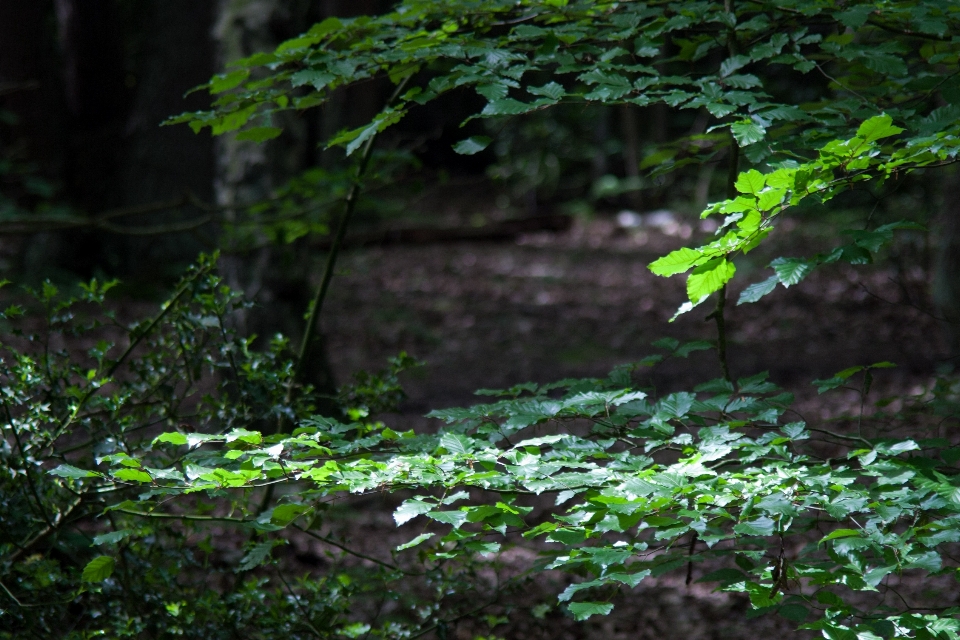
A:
(296, 602)
(733, 171)
(133, 345)
(342, 547)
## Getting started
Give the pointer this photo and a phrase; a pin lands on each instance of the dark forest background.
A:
(94, 186)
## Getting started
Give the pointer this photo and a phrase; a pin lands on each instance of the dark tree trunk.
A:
(247, 172)
(30, 85)
(100, 76)
(172, 52)
(946, 283)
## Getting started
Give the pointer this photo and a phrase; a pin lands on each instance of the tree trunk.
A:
(174, 53)
(946, 282)
(247, 172)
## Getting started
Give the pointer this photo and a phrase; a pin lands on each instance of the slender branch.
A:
(840, 436)
(10, 593)
(316, 305)
(182, 516)
(133, 345)
(28, 546)
(296, 603)
(33, 224)
(907, 32)
(690, 549)
(342, 547)
(26, 466)
(733, 170)
(157, 229)
(718, 316)
(841, 85)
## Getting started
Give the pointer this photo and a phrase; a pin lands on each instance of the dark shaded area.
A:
(494, 232)
(89, 84)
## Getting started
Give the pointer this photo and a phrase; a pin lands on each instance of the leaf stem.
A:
(717, 314)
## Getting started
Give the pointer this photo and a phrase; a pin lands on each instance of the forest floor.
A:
(551, 306)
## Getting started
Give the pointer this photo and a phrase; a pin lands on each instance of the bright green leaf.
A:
(98, 569)
(709, 277)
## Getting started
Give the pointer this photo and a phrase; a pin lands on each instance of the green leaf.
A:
(317, 79)
(757, 290)
(567, 536)
(68, 471)
(259, 554)
(259, 134)
(472, 145)
(796, 613)
(878, 127)
(750, 182)
(760, 527)
(828, 384)
(848, 372)
(733, 63)
(551, 90)
(928, 561)
(420, 538)
(709, 277)
(98, 569)
(232, 121)
(572, 589)
(354, 138)
(689, 347)
(112, 537)
(227, 81)
(508, 107)
(669, 344)
(676, 405)
(791, 271)
(676, 262)
(840, 533)
(855, 16)
(244, 435)
(284, 514)
(686, 307)
(455, 443)
(410, 510)
(326, 27)
(747, 133)
(171, 438)
(583, 610)
(132, 475)
(453, 518)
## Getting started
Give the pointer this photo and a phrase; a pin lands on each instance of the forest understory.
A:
(555, 305)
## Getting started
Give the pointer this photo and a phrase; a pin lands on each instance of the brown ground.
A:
(554, 306)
